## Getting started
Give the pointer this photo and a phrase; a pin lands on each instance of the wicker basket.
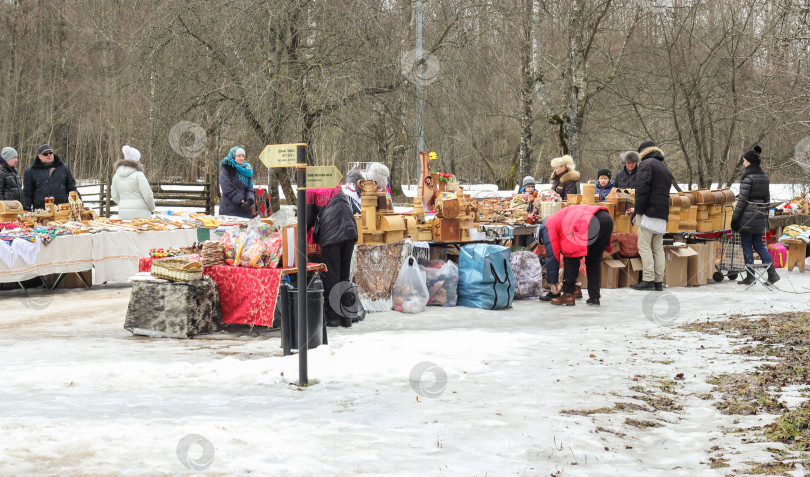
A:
(177, 270)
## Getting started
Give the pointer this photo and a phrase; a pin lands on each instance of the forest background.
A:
(509, 84)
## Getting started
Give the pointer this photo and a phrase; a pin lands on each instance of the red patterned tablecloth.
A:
(247, 295)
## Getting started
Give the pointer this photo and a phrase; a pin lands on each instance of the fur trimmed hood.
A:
(126, 163)
(651, 152)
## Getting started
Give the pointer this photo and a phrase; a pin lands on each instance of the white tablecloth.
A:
(70, 253)
(113, 255)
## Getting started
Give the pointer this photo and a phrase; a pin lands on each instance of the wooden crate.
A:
(446, 230)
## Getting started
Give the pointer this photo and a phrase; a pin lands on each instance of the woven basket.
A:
(177, 270)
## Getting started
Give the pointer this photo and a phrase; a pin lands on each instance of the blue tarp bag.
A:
(485, 277)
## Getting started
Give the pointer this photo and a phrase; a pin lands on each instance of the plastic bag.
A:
(528, 273)
(410, 294)
(284, 217)
(442, 282)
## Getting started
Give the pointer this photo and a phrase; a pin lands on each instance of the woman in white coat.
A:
(130, 189)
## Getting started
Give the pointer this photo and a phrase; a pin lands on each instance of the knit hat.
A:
(645, 145)
(566, 161)
(238, 151)
(629, 156)
(751, 155)
(131, 154)
(44, 148)
(354, 175)
(8, 153)
(378, 173)
(528, 181)
(603, 172)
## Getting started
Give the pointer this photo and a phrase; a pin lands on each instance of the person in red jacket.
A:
(574, 232)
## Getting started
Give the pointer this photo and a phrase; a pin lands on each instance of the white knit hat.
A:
(131, 154)
(238, 151)
(378, 173)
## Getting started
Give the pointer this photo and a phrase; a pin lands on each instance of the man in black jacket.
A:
(48, 176)
(625, 178)
(651, 212)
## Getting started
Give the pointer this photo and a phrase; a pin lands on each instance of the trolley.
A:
(731, 254)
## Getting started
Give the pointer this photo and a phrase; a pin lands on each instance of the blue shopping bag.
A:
(485, 277)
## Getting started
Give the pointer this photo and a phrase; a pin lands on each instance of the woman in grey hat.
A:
(10, 182)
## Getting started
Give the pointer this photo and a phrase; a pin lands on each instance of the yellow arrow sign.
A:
(323, 177)
(280, 155)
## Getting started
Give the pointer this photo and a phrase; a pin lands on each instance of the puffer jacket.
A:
(47, 180)
(625, 179)
(565, 184)
(331, 211)
(568, 230)
(234, 192)
(603, 192)
(751, 213)
(10, 183)
(131, 191)
(654, 180)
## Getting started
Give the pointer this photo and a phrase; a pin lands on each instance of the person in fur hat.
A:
(130, 189)
(565, 176)
(750, 218)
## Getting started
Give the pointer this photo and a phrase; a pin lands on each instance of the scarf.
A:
(243, 172)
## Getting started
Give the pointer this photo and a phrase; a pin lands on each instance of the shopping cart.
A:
(731, 255)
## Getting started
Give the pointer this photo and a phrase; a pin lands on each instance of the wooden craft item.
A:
(428, 189)
(588, 193)
(446, 230)
(448, 208)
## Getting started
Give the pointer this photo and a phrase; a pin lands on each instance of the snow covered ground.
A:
(80, 395)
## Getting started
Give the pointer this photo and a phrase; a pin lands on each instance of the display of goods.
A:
(703, 196)
(502, 210)
(177, 269)
(442, 282)
(410, 293)
(165, 253)
(212, 254)
(549, 196)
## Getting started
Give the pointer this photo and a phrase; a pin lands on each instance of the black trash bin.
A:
(314, 313)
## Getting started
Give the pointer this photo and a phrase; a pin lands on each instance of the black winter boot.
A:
(773, 277)
(643, 285)
(659, 286)
(749, 279)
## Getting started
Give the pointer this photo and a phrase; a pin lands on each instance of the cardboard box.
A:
(610, 273)
(711, 252)
(696, 265)
(631, 274)
(676, 259)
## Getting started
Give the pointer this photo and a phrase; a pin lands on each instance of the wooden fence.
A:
(194, 195)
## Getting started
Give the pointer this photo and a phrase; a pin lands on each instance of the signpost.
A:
(323, 177)
(281, 155)
(312, 177)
